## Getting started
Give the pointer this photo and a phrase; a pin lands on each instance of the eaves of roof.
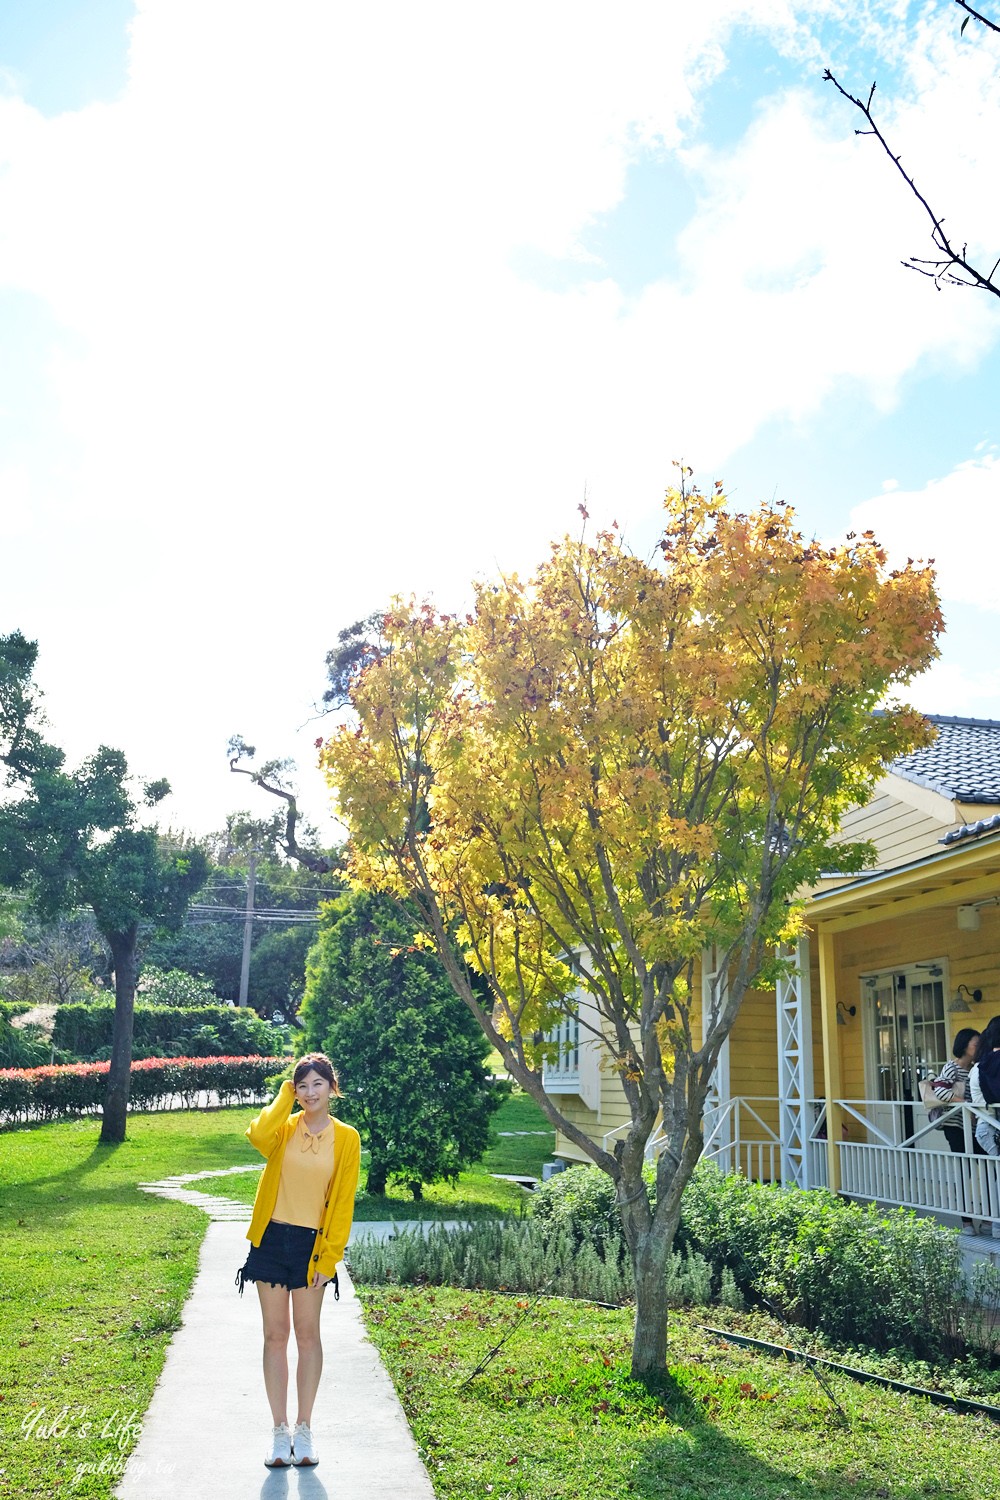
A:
(955, 873)
(962, 763)
(972, 830)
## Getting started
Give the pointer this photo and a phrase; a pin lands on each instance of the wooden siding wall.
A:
(970, 958)
(753, 1068)
(753, 1054)
(899, 832)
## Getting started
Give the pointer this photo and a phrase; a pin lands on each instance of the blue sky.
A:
(303, 305)
(65, 54)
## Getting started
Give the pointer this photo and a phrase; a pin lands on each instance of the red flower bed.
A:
(59, 1092)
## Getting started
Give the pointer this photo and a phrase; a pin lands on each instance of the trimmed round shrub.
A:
(582, 1200)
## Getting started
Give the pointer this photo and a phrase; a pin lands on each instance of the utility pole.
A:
(248, 930)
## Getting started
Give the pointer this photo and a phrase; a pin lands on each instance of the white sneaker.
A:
(303, 1447)
(280, 1455)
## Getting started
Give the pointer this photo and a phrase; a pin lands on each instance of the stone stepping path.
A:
(219, 1209)
(228, 1211)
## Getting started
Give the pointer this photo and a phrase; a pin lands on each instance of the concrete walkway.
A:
(208, 1426)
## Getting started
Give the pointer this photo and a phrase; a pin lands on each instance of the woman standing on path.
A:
(301, 1219)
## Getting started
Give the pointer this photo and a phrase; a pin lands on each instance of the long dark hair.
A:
(990, 1038)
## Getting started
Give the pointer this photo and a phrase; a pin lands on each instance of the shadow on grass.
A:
(701, 1462)
(74, 1174)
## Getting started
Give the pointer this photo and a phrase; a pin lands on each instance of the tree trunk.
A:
(649, 1272)
(376, 1180)
(123, 951)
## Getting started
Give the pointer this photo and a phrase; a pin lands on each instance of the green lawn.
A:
(556, 1416)
(93, 1275)
(93, 1272)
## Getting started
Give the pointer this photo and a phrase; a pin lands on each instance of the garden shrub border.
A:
(11, 1008)
(66, 1090)
(85, 1030)
(861, 1275)
(524, 1256)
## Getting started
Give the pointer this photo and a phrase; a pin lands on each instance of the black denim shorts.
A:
(282, 1257)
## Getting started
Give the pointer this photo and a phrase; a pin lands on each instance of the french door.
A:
(907, 1035)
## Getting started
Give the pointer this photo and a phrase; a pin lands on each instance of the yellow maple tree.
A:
(607, 768)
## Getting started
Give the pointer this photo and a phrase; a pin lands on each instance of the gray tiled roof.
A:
(962, 762)
(972, 830)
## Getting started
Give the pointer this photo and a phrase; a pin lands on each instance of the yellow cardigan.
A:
(269, 1134)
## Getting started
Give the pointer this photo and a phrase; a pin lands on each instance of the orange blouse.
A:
(306, 1170)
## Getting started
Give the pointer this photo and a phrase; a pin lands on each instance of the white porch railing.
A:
(738, 1140)
(902, 1158)
(890, 1154)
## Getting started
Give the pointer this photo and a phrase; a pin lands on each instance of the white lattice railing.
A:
(739, 1140)
(890, 1153)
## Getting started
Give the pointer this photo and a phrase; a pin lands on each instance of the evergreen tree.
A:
(410, 1056)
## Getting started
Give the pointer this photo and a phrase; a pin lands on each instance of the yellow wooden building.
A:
(818, 1083)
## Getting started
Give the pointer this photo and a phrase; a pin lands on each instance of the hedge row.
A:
(11, 1008)
(857, 1273)
(525, 1256)
(60, 1092)
(161, 1030)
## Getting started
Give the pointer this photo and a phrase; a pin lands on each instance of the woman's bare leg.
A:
(274, 1309)
(307, 1303)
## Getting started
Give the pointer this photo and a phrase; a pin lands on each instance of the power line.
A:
(271, 910)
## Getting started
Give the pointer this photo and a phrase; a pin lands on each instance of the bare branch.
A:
(320, 864)
(952, 267)
(976, 15)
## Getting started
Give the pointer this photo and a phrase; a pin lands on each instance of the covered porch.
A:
(894, 965)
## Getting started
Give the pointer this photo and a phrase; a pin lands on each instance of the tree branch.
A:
(976, 15)
(320, 864)
(952, 267)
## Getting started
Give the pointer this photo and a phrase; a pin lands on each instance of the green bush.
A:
(857, 1274)
(85, 1031)
(59, 1093)
(525, 1255)
(175, 987)
(582, 1200)
(22, 1046)
(889, 1280)
(11, 1008)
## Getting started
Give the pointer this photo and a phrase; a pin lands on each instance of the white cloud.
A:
(300, 372)
(955, 520)
(947, 688)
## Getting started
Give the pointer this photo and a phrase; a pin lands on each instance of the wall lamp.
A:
(843, 1011)
(968, 916)
(960, 1003)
